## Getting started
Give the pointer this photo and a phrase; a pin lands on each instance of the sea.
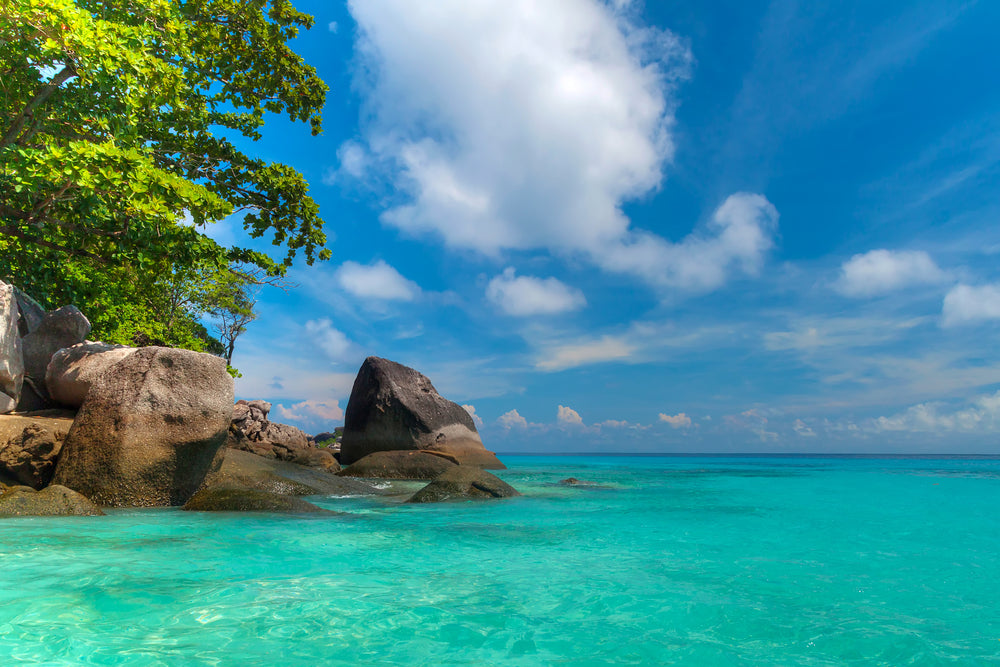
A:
(691, 560)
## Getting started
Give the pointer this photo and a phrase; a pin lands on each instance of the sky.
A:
(617, 226)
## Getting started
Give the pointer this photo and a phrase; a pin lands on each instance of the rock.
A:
(32, 313)
(53, 500)
(393, 407)
(399, 465)
(11, 351)
(316, 458)
(284, 435)
(72, 370)
(60, 328)
(30, 457)
(249, 471)
(149, 430)
(228, 499)
(461, 482)
(324, 437)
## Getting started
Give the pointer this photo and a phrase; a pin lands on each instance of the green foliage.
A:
(107, 112)
(110, 119)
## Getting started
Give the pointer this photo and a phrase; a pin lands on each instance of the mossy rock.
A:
(228, 499)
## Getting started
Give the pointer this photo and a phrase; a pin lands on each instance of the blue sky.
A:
(678, 227)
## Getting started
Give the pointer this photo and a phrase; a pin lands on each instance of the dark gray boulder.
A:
(72, 370)
(393, 407)
(400, 465)
(150, 429)
(229, 499)
(461, 483)
(53, 500)
(60, 328)
(11, 351)
(30, 457)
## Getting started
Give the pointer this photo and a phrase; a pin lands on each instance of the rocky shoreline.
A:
(86, 425)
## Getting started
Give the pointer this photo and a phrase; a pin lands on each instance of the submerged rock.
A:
(228, 499)
(400, 465)
(53, 500)
(464, 482)
(73, 369)
(150, 429)
(393, 407)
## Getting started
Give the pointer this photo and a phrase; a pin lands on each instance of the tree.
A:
(114, 119)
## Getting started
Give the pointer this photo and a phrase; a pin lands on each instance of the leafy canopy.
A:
(113, 124)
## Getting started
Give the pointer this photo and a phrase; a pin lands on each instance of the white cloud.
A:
(802, 429)
(981, 415)
(568, 416)
(679, 420)
(353, 161)
(471, 409)
(333, 342)
(310, 411)
(965, 304)
(883, 271)
(527, 295)
(512, 419)
(375, 281)
(332, 27)
(555, 116)
(608, 348)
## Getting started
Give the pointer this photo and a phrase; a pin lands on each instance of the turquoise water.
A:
(702, 561)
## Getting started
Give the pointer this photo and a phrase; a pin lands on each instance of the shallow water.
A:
(704, 561)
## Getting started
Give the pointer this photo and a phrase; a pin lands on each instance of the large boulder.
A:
(249, 471)
(393, 407)
(461, 483)
(149, 429)
(32, 313)
(11, 352)
(399, 465)
(228, 499)
(60, 328)
(30, 457)
(54, 500)
(73, 369)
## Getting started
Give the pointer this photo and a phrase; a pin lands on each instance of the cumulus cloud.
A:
(981, 415)
(512, 419)
(554, 116)
(965, 304)
(526, 295)
(883, 271)
(608, 348)
(310, 412)
(333, 342)
(375, 281)
(471, 409)
(568, 416)
(332, 26)
(680, 420)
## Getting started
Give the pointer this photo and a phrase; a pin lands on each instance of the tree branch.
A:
(10, 136)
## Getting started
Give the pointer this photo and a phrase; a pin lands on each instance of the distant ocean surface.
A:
(698, 561)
